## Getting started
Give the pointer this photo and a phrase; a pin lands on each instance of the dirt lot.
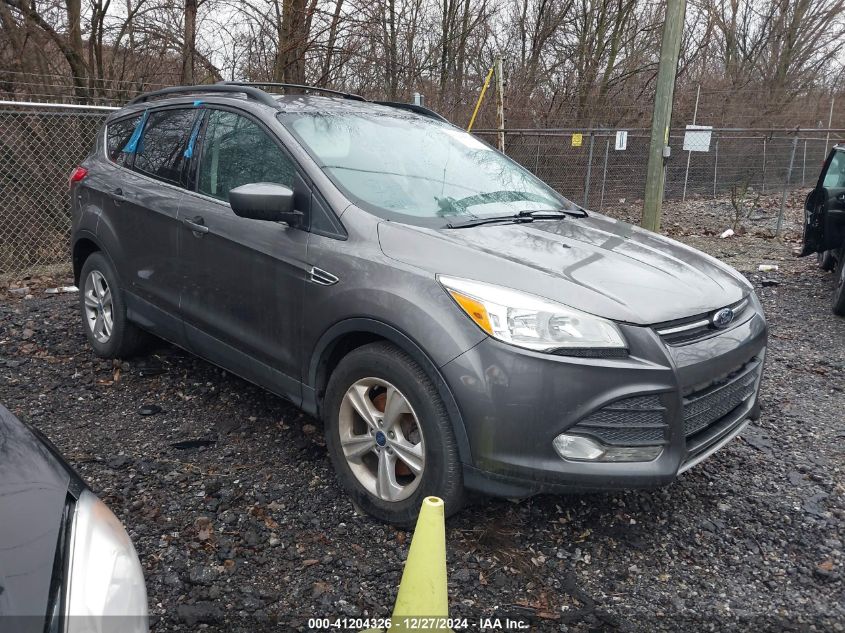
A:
(229, 497)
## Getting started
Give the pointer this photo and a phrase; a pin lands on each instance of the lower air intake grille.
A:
(705, 407)
(636, 421)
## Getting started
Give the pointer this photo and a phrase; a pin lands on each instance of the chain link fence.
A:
(587, 166)
(39, 146)
(41, 143)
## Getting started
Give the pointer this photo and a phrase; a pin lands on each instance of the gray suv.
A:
(454, 322)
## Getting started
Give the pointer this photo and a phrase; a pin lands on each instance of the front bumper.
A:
(514, 402)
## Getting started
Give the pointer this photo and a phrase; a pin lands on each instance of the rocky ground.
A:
(234, 510)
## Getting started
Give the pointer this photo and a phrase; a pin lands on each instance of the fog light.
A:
(585, 449)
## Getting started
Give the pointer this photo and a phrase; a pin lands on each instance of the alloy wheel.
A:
(99, 306)
(381, 439)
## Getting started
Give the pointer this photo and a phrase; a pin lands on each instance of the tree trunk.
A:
(189, 43)
(289, 66)
(330, 44)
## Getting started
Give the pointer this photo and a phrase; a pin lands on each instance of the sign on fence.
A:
(577, 140)
(621, 140)
(697, 138)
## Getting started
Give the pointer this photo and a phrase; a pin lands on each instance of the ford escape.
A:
(456, 323)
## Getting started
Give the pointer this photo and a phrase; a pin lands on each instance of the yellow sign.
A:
(577, 139)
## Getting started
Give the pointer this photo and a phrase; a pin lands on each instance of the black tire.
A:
(125, 339)
(441, 475)
(839, 286)
(826, 260)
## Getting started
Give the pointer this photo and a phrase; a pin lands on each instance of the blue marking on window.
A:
(189, 151)
(132, 144)
(198, 103)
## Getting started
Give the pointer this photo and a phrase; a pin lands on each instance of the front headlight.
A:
(530, 321)
(105, 590)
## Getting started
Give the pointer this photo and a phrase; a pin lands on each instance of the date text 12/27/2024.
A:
(419, 624)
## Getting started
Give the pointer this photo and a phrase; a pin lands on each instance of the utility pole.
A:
(500, 103)
(658, 150)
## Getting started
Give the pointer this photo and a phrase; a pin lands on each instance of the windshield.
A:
(415, 169)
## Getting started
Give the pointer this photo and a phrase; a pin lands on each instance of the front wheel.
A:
(389, 435)
(826, 260)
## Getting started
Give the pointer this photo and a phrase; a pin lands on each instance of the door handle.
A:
(841, 197)
(196, 224)
(118, 192)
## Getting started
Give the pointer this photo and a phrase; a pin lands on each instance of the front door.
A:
(242, 279)
(824, 210)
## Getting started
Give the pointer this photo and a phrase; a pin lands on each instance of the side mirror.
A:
(265, 201)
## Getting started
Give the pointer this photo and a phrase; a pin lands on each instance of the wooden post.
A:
(661, 119)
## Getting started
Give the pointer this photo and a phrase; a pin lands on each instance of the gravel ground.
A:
(229, 498)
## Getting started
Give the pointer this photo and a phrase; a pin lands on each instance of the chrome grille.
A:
(693, 329)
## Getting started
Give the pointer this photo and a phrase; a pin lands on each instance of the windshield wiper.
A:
(519, 218)
(544, 214)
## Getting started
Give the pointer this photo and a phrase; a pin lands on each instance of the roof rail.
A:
(345, 95)
(413, 107)
(251, 93)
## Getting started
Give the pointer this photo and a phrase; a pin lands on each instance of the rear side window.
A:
(161, 150)
(118, 134)
(236, 151)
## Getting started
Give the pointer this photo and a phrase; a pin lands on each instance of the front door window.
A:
(834, 177)
(238, 152)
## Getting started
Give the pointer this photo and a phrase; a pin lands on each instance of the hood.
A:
(33, 488)
(596, 264)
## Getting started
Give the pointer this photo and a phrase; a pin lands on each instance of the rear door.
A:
(824, 210)
(144, 205)
(243, 279)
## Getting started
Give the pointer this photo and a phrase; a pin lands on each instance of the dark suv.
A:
(824, 223)
(454, 322)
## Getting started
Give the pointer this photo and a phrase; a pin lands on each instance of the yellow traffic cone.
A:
(423, 592)
(423, 601)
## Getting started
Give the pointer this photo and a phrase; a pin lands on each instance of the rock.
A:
(756, 439)
(812, 505)
(202, 576)
(252, 603)
(118, 461)
(199, 613)
(250, 537)
(795, 478)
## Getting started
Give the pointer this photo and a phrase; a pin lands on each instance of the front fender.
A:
(381, 329)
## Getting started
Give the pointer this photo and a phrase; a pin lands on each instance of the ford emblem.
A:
(722, 318)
